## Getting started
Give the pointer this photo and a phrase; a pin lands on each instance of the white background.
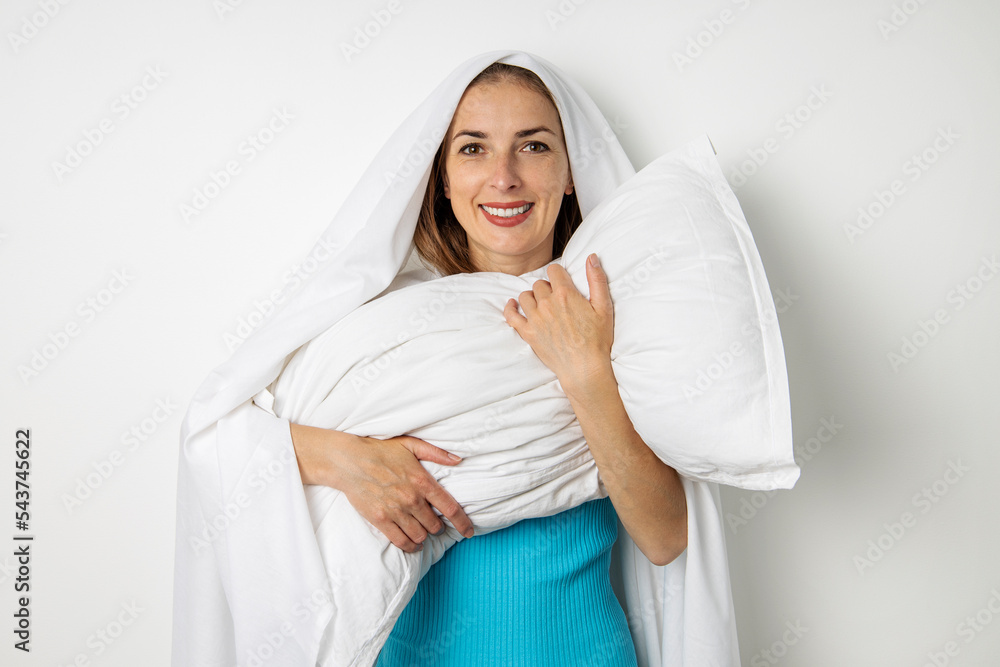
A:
(825, 557)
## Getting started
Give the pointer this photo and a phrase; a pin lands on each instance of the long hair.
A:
(439, 238)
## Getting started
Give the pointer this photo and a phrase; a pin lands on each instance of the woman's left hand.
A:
(573, 336)
(569, 333)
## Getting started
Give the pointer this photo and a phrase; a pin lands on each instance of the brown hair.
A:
(440, 239)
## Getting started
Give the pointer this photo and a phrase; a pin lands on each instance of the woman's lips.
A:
(505, 221)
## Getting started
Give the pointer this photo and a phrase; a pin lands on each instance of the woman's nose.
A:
(505, 175)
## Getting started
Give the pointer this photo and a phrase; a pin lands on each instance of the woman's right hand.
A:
(383, 480)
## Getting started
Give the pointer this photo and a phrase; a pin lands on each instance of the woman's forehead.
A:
(503, 109)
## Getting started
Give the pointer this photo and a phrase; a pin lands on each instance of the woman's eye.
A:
(535, 147)
(471, 149)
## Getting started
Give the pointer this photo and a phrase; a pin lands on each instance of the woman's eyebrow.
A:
(534, 130)
(520, 134)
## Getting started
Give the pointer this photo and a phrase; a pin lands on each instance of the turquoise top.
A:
(537, 593)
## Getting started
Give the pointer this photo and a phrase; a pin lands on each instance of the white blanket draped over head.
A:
(268, 572)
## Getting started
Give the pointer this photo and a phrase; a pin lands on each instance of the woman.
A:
(501, 187)
(251, 584)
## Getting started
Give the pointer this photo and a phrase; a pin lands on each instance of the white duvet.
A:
(458, 377)
(436, 361)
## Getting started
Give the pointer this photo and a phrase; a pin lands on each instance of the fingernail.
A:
(594, 262)
(453, 457)
(469, 533)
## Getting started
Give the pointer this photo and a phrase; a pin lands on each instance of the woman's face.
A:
(506, 171)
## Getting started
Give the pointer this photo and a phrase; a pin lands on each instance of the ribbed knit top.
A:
(537, 593)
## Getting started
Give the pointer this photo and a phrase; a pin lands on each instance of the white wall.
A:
(848, 298)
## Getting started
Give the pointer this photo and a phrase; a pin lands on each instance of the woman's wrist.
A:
(313, 451)
(589, 380)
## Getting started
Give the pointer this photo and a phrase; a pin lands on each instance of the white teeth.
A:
(506, 212)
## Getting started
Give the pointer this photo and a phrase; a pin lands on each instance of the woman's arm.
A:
(573, 336)
(647, 493)
(383, 480)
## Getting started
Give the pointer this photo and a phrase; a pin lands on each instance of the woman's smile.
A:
(506, 173)
(506, 215)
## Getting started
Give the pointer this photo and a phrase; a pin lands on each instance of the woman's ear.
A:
(447, 192)
(569, 188)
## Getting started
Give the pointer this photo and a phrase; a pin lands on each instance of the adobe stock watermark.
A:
(924, 500)
(752, 504)
(723, 360)
(700, 42)
(42, 357)
(364, 34)
(928, 329)
(367, 373)
(303, 610)
(225, 7)
(898, 17)
(34, 23)
(598, 145)
(649, 613)
(786, 126)
(105, 468)
(265, 649)
(559, 527)
(431, 652)
(562, 12)
(105, 636)
(778, 649)
(610, 651)
(968, 629)
(259, 480)
(220, 179)
(422, 153)
(121, 108)
(496, 420)
(264, 308)
(630, 284)
(913, 168)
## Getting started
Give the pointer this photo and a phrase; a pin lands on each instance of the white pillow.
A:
(697, 351)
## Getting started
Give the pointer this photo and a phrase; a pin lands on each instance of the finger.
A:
(435, 494)
(513, 317)
(541, 288)
(527, 301)
(396, 535)
(450, 509)
(600, 293)
(560, 277)
(425, 451)
(414, 530)
(563, 281)
(430, 521)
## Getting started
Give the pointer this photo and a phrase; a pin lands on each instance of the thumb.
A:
(425, 451)
(600, 293)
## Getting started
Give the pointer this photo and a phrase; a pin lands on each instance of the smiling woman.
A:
(505, 184)
(504, 171)
(498, 202)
